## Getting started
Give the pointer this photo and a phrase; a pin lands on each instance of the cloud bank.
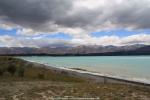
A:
(77, 18)
(11, 41)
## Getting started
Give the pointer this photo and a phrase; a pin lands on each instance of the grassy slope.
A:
(26, 81)
(14, 69)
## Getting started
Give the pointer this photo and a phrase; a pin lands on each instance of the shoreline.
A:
(95, 77)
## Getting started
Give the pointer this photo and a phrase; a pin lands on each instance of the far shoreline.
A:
(131, 53)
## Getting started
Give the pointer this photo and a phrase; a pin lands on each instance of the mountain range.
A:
(137, 49)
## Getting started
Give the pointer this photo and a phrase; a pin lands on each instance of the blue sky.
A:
(61, 35)
(111, 37)
(11, 32)
(120, 32)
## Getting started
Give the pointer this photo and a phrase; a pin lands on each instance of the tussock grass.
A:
(15, 69)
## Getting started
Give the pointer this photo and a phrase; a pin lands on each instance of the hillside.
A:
(14, 69)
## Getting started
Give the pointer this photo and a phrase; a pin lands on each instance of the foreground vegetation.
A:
(21, 80)
(14, 69)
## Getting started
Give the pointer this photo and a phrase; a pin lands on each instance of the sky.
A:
(38, 23)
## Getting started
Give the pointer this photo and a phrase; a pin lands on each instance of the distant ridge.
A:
(91, 50)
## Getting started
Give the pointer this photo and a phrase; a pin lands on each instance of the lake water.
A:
(132, 67)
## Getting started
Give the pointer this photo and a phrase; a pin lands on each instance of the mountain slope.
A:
(79, 50)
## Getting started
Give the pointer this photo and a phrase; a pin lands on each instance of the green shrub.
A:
(1, 72)
(41, 76)
(21, 72)
(11, 69)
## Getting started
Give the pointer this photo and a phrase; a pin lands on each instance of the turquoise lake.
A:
(133, 67)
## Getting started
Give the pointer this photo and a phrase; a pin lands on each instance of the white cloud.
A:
(11, 41)
(139, 38)
(114, 40)
(75, 17)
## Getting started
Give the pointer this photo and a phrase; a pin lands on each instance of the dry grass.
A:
(31, 71)
(42, 90)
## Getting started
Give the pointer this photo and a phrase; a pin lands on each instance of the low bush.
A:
(14, 68)
(11, 69)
